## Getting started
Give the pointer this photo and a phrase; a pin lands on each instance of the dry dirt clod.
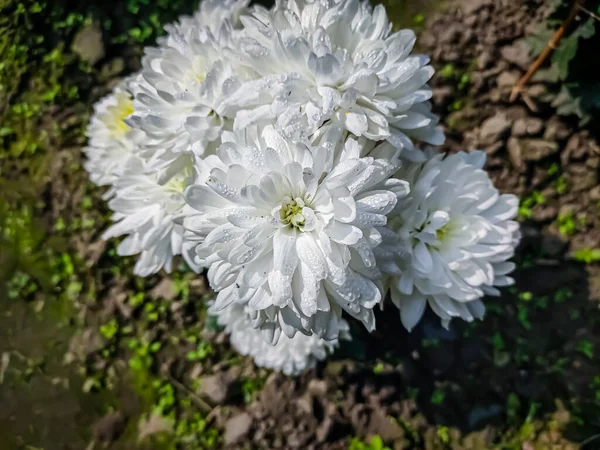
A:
(216, 388)
(530, 126)
(109, 428)
(381, 425)
(164, 290)
(474, 6)
(508, 79)
(155, 424)
(514, 154)
(237, 428)
(317, 388)
(533, 150)
(595, 194)
(517, 54)
(88, 44)
(494, 129)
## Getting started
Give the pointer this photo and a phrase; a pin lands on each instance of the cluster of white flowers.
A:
(276, 149)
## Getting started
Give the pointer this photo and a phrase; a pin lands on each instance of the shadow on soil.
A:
(533, 352)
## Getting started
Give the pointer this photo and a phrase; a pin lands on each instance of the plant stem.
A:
(550, 47)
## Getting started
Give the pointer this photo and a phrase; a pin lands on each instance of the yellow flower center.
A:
(117, 115)
(178, 183)
(200, 77)
(442, 233)
(291, 213)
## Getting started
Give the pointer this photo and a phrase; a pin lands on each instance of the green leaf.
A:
(538, 41)
(565, 53)
(588, 29)
(587, 255)
(566, 104)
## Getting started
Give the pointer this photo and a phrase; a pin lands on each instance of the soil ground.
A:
(96, 358)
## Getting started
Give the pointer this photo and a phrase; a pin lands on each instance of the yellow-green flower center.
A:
(200, 77)
(291, 212)
(442, 233)
(178, 183)
(118, 113)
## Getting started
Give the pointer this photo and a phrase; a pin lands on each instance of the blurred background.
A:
(93, 357)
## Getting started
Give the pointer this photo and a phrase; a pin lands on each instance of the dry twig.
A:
(552, 45)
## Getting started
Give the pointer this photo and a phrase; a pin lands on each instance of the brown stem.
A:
(552, 45)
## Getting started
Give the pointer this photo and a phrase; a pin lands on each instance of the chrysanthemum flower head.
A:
(179, 96)
(288, 229)
(342, 65)
(145, 205)
(220, 17)
(452, 237)
(111, 141)
(292, 356)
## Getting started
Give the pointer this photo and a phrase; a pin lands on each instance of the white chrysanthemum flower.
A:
(289, 230)
(292, 356)
(343, 64)
(452, 237)
(179, 96)
(221, 17)
(111, 141)
(145, 205)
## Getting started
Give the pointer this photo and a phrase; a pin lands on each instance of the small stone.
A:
(359, 416)
(537, 91)
(494, 129)
(216, 388)
(514, 154)
(582, 178)
(164, 290)
(317, 388)
(492, 149)
(595, 194)
(155, 424)
(325, 429)
(473, 6)
(449, 36)
(88, 44)
(556, 130)
(305, 404)
(495, 95)
(576, 149)
(542, 213)
(508, 79)
(529, 126)
(515, 113)
(534, 149)
(593, 162)
(478, 83)
(382, 426)
(470, 21)
(109, 428)
(237, 428)
(517, 54)
(485, 60)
